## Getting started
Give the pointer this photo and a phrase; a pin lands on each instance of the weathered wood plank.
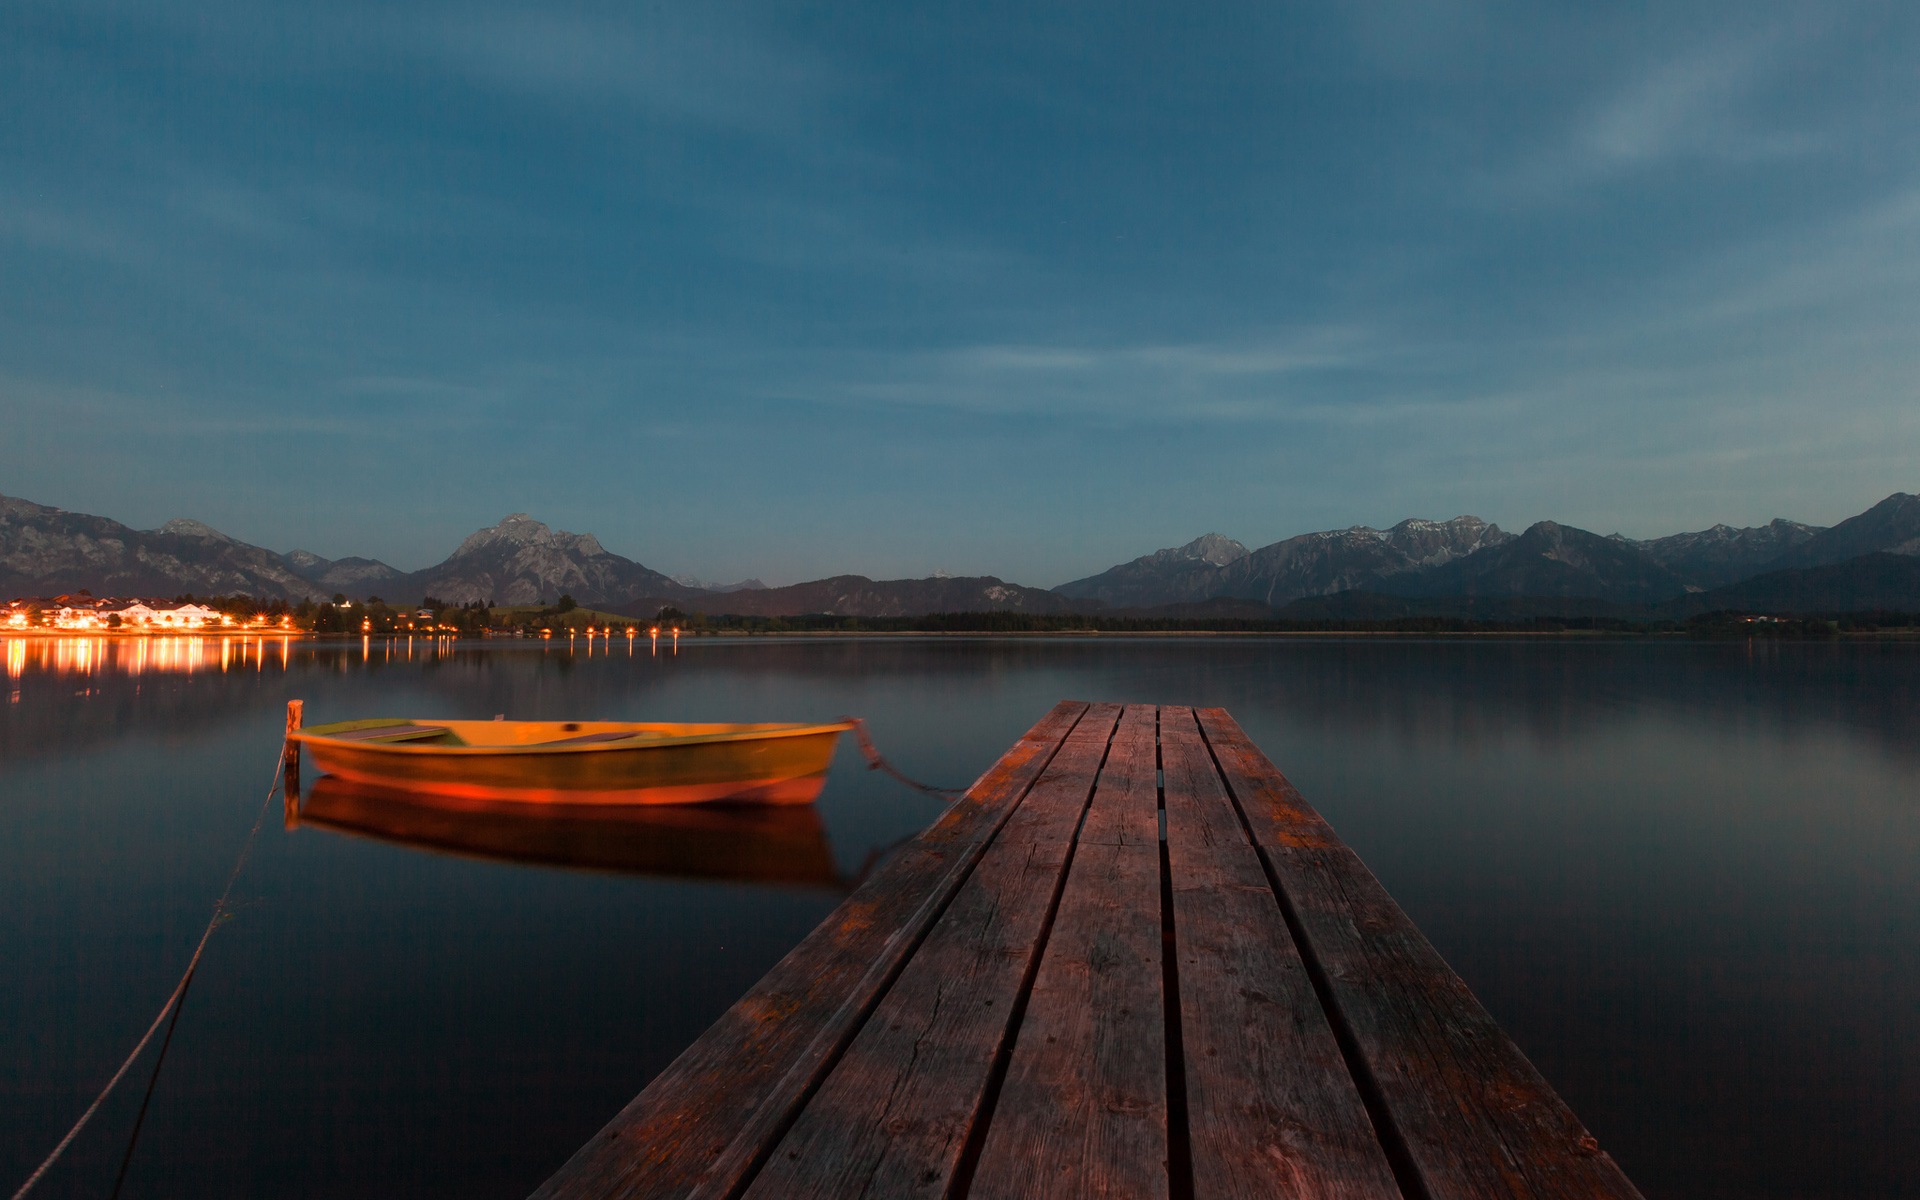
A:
(1127, 814)
(1059, 798)
(892, 1119)
(1271, 1109)
(1138, 720)
(1470, 1115)
(1083, 1109)
(705, 1122)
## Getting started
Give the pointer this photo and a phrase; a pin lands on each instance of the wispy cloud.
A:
(699, 64)
(1708, 105)
(1696, 106)
(45, 228)
(1123, 384)
(1847, 273)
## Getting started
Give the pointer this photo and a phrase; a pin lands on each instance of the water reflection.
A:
(771, 844)
(1681, 874)
(159, 654)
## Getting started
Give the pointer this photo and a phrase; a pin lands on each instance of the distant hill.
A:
(1891, 526)
(524, 561)
(1721, 555)
(1311, 564)
(1339, 560)
(1377, 606)
(331, 576)
(1549, 559)
(45, 551)
(1469, 557)
(858, 596)
(1870, 583)
(1877, 582)
(1170, 576)
(697, 584)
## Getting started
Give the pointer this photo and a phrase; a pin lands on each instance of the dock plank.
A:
(1057, 802)
(1271, 1108)
(893, 1118)
(1458, 1100)
(1128, 813)
(1083, 1110)
(704, 1124)
(1138, 720)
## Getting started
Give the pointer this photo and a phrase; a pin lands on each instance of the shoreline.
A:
(51, 635)
(135, 634)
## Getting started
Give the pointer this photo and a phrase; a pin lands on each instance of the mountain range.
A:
(1461, 566)
(858, 596)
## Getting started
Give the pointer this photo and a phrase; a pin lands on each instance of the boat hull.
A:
(668, 765)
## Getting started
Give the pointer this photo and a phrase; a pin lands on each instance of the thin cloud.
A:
(1696, 106)
(46, 229)
(675, 63)
(1703, 106)
(1152, 382)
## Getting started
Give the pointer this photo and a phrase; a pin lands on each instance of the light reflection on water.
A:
(1681, 874)
(130, 655)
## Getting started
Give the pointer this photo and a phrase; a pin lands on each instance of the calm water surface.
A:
(1685, 876)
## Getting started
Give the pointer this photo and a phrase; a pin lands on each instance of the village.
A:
(81, 612)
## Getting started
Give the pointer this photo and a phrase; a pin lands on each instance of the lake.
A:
(1684, 875)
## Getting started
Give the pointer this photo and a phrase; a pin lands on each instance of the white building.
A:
(166, 616)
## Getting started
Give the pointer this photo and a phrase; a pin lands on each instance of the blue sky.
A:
(1024, 290)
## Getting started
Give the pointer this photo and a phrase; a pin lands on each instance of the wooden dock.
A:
(1131, 962)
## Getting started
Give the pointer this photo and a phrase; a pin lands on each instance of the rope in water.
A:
(153, 1081)
(221, 914)
(877, 761)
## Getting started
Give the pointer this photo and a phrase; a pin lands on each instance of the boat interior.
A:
(538, 734)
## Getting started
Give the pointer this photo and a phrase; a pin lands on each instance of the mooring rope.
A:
(221, 914)
(877, 761)
(153, 1081)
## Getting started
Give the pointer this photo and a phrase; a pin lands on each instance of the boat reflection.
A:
(774, 844)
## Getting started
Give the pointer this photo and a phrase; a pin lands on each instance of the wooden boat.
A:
(580, 762)
(742, 843)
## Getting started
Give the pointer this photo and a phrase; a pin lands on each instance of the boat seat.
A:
(582, 739)
(394, 733)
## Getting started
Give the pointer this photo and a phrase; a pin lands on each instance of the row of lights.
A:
(96, 623)
(632, 631)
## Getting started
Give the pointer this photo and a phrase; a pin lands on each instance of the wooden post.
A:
(290, 755)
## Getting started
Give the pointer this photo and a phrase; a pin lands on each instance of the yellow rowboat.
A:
(782, 845)
(579, 762)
